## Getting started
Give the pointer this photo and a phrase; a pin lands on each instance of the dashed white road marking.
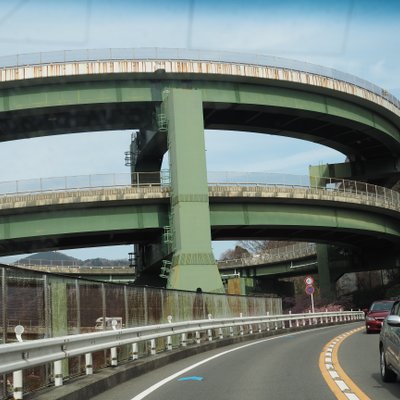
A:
(338, 381)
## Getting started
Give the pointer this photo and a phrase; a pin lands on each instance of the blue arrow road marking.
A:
(191, 378)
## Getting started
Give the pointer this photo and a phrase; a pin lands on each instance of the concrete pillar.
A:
(193, 263)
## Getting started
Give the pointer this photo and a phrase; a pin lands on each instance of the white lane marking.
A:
(170, 378)
(351, 396)
(331, 367)
(334, 374)
(342, 385)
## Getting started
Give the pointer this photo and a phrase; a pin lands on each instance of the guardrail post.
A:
(114, 357)
(309, 319)
(250, 329)
(58, 375)
(18, 379)
(183, 340)
(209, 331)
(135, 355)
(198, 340)
(169, 338)
(259, 328)
(220, 333)
(290, 319)
(89, 363)
(169, 343)
(241, 326)
(268, 321)
(153, 347)
(304, 320)
(231, 331)
(18, 384)
(297, 322)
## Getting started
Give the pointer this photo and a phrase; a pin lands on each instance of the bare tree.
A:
(232, 254)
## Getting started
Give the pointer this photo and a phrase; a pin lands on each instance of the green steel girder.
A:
(68, 225)
(360, 129)
(306, 222)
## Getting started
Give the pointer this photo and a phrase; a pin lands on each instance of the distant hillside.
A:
(53, 257)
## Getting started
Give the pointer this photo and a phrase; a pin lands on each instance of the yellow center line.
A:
(338, 381)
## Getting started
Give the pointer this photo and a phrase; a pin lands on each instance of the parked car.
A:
(378, 311)
(389, 345)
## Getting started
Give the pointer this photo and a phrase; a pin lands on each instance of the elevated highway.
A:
(171, 96)
(367, 218)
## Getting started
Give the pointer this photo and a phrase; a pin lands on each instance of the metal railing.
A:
(220, 178)
(63, 183)
(22, 355)
(175, 54)
(284, 253)
(61, 265)
(220, 184)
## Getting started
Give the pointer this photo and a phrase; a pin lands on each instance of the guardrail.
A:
(17, 356)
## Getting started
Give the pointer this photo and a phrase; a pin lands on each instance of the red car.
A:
(378, 311)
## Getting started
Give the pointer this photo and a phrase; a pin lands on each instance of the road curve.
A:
(278, 368)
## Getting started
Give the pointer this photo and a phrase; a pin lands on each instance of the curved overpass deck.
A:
(61, 93)
(84, 218)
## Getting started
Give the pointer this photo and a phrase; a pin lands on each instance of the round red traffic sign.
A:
(310, 289)
(309, 280)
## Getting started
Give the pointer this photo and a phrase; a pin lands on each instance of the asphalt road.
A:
(279, 368)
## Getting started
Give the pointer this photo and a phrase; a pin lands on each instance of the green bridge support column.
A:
(193, 263)
(327, 282)
(59, 311)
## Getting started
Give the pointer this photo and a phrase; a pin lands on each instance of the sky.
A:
(360, 37)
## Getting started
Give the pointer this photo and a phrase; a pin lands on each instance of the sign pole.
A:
(309, 281)
(312, 303)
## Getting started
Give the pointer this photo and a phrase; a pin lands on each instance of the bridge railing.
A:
(291, 252)
(22, 355)
(230, 178)
(167, 54)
